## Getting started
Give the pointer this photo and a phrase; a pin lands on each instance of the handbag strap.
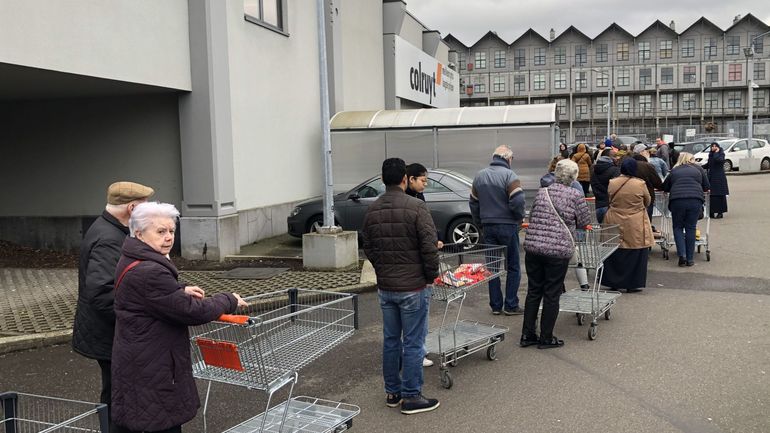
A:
(126, 269)
(548, 195)
(612, 197)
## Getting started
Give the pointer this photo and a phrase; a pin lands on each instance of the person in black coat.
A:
(604, 170)
(153, 386)
(715, 167)
(94, 325)
(686, 184)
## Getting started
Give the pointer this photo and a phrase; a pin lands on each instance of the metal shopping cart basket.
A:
(279, 333)
(463, 268)
(29, 413)
(594, 246)
(661, 220)
(702, 236)
(591, 202)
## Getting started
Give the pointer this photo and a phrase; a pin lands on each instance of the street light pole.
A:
(328, 199)
(609, 99)
(750, 56)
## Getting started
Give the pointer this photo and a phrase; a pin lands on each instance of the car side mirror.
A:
(354, 196)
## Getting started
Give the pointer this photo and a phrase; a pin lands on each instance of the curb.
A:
(34, 341)
(747, 173)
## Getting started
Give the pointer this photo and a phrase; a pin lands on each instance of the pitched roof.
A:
(703, 22)
(749, 18)
(530, 33)
(616, 27)
(490, 34)
(571, 29)
(658, 25)
(450, 39)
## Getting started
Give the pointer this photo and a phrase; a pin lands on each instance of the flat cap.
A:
(126, 192)
(639, 148)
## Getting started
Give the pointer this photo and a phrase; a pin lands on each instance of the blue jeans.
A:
(507, 235)
(684, 218)
(600, 212)
(404, 315)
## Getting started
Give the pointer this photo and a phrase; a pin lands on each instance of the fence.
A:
(679, 133)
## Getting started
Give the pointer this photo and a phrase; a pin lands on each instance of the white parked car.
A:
(737, 149)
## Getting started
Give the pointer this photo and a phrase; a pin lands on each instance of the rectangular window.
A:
(499, 58)
(580, 80)
(480, 88)
(689, 74)
(581, 55)
(519, 84)
(622, 50)
(560, 55)
(667, 102)
(645, 77)
(561, 106)
(539, 82)
(498, 84)
(601, 53)
(759, 71)
(645, 103)
(734, 99)
(759, 45)
(581, 108)
(624, 104)
(734, 72)
(688, 47)
(733, 45)
(689, 102)
(498, 103)
(519, 102)
(710, 47)
(560, 80)
(480, 60)
(644, 51)
(624, 77)
(539, 56)
(265, 12)
(665, 50)
(463, 61)
(711, 101)
(601, 104)
(602, 80)
(759, 98)
(712, 73)
(519, 58)
(667, 75)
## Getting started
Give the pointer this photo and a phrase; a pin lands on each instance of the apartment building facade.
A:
(653, 81)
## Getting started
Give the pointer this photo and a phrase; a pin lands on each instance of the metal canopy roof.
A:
(438, 117)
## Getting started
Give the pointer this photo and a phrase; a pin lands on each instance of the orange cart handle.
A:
(234, 318)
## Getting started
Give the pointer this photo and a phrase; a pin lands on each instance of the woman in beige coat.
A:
(629, 197)
(584, 162)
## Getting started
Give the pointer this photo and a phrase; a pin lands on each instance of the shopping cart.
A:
(278, 333)
(661, 220)
(463, 268)
(29, 413)
(591, 202)
(594, 246)
(702, 237)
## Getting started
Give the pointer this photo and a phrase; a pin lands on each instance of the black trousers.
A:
(118, 429)
(545, 279)
(586, 186)
(106, 397)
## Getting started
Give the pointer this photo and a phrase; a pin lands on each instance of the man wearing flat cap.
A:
(94, 326)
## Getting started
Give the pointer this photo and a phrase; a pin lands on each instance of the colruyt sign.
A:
(422, 78)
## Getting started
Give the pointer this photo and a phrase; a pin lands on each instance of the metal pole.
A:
(750, 73)
(328, 199)
(609, 106)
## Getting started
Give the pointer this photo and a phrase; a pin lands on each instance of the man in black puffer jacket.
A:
(604, 170)
(399, 239)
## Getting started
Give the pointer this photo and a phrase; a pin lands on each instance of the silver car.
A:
(446, 195)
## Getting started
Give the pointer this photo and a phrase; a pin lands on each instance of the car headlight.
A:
(295, 211)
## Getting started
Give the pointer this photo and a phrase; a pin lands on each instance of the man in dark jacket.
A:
(604, 170)
(497, 205)
(94, 325)
(646, 172)
(399, 238)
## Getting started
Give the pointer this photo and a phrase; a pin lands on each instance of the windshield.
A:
(461, 176)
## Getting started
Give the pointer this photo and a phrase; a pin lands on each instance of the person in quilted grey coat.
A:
(153, 389)
(557, 212)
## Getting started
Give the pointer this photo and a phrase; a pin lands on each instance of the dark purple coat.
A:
(152, 384)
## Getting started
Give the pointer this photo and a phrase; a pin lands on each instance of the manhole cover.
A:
(251, 273)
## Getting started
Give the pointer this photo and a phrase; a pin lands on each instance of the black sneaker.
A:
(529, 341)
(515, 312)
(495, 312)
(682, 261)
(550, 343)
(393, 400)
(418, 404)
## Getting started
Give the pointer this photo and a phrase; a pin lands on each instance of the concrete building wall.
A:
(139, 41)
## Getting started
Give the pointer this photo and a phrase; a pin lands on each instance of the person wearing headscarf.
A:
(715, 167)
(629, 197)
(686, 185)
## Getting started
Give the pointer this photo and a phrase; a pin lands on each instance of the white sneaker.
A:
(427, 362)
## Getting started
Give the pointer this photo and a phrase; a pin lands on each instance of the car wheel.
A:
(765, 164)
(463, 231)
(314, 223)
(728, 165)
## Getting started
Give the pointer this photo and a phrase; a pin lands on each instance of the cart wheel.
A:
(491, 353)
(453, 360)
(580, 318)
(344, 427)
(446, 379)
(708, 256)
(607, 315)
(592, 332)
(665, 254)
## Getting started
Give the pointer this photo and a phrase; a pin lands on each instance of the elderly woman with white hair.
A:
(153, 388)
(557, 212)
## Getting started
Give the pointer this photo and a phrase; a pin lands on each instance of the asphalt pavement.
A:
(690, 353)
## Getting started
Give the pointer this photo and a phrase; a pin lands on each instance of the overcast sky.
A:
(468, 20)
